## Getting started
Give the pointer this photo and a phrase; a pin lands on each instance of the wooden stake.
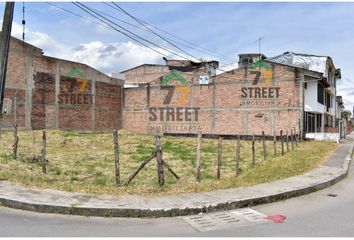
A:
(219, 158)
(142, 165)
(300, 133)
(264, 147)
(253, 152)
(197, 169)
(292, 139)
(14, 147)
(296, 138)
(287, 141)
(170, 170)
(116, 157)
(282, 142)
(44, 150)
(238, 146)
(274, 143)
(160, 173)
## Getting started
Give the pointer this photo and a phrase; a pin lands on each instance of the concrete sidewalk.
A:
(334, 169)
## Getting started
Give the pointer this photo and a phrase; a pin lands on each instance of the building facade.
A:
(46, 92)
(267, 95)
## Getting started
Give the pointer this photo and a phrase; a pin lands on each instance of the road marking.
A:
(220, 220)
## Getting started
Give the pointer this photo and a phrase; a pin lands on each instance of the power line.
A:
(105, 24)
(150, 30)
(94, 13)
(78, 15)
(102, 23)
(221, 56)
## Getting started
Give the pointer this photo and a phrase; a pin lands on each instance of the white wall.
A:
(311, 104)
(330, 137)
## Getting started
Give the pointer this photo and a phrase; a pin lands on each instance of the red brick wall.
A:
(144, 73)
(222, 109)
(108, 106)
(29, 69)
(43, 95)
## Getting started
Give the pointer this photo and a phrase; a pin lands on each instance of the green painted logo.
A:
(260, 64)
(173, 75)
(81, 79)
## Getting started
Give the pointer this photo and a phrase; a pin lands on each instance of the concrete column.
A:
(57, 92)
(323, 122)
(93, 108)
(301, 102)
(212, 129)
(29, 71)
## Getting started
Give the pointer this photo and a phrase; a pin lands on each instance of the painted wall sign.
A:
(78, 78)
(252, 95)
(172, 115)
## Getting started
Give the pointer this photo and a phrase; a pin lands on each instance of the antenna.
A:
(259, 46)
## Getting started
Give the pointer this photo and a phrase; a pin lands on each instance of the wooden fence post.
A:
(282, 142)
(296, 137)
(238, 146)
(300, 133)
(116, 156)
(253, 152)
(264, 147)
(14, 147)
(160, 174)
(292, 139)
(197, 168)
(274, 143)
(219, 158)
(287, 141)
(44, 146)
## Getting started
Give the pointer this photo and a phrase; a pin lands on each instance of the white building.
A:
(322, 112)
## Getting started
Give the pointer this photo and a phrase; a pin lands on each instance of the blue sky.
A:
(227, 28)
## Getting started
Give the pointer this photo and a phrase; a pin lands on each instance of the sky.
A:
(225, 29)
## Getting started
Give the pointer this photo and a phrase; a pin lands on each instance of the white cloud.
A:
(111, 57)
(114, 56)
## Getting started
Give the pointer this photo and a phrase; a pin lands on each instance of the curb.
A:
(172, 212)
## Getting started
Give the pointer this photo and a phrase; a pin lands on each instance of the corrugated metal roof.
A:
(307, 61)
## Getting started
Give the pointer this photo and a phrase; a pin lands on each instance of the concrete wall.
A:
(330, 137)
(311, 103)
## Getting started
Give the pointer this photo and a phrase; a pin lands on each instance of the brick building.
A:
(46, 92)
(260, 94)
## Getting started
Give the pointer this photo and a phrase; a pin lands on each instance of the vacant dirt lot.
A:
(84, 162)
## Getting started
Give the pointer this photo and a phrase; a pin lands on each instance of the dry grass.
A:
(85, 162)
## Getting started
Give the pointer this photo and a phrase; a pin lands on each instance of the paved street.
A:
(315, 214)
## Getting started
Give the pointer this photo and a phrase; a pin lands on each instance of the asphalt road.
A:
(316, 214)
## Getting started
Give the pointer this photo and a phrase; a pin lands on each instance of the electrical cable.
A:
(93, 13)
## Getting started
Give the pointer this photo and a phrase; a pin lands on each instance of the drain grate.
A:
(251, 215)
(220, 220)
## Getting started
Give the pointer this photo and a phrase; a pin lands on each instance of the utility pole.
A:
(4, 47)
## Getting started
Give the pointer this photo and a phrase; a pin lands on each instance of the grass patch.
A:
(84, 162)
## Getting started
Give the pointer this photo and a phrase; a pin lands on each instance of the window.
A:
(318, 120)
(328, 100)
(320, 93)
